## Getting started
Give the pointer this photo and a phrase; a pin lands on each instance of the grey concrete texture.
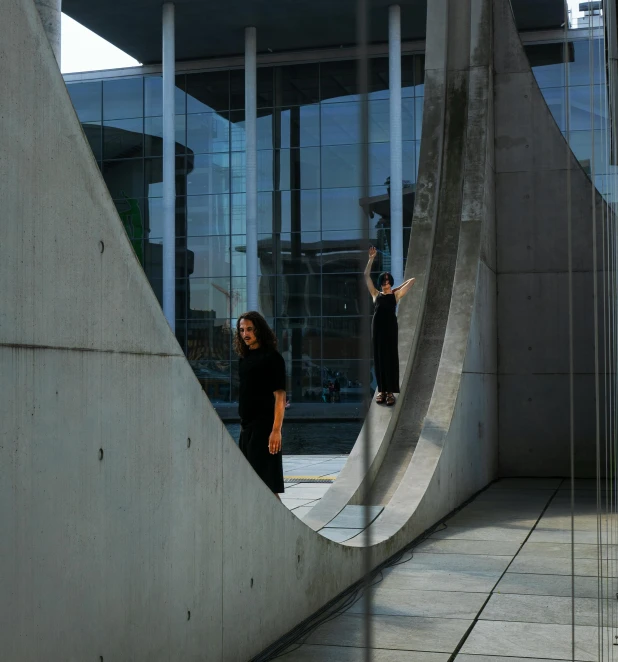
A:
(532, 163)
(50, 13)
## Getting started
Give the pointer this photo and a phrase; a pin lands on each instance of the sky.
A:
(83, 50)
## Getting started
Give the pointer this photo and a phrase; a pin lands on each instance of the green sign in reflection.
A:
(134, 225)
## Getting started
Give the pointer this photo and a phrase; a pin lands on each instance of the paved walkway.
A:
(493, 585)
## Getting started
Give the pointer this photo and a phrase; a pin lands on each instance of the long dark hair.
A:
(263, 333)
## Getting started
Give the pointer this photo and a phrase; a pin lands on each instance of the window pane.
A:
(264, 171)
(407, 119)
(211, 256)
(124, 178)
(547, 62)
(208, 91)
(338, 81)
(153, 215)
(342, 337)
(299, 126)
(154, 177)
(208, 133)
(209, 297)
(299, 338)
(296, 295)
(86, 98)
(123, 139)
(153, 96)
(239, 212)
(300, 210)
(298, 168)
(351, 375)
(94, 135)
(208, 215)
(208, 339)
(291, 253)
(341, 208)
(153, 139)
(123, 98)
(581, 144)
(213, 375)
(342, 252)
(341, 123)
(264, 129)
(579, 68)
(341, 166)
(341, 294)
(297, 85)
(211, 174)
(264, 91)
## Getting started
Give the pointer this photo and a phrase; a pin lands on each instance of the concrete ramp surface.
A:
(132, 526)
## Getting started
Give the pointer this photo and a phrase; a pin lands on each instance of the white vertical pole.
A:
(51, 17)
(396, 138)
(169, 167)
(251, 165)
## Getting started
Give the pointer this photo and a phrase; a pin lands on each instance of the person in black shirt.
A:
(261, 400)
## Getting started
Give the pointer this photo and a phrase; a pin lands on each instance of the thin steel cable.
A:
(570, 297)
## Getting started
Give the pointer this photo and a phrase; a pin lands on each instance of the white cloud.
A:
(83, 50)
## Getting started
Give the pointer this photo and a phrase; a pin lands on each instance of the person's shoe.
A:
(390, 400)
(381, 398)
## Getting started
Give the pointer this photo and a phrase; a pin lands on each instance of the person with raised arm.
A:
(384, 330)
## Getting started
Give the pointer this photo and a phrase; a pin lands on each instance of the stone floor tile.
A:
(439, 635)
(301, 511)
(307, 491)
(312, 653)
(503, 533)
(563, 550)
(558, 585)
(455, 546)
(546, 565)
(339, 535)
(496, 658)
(355, 517)
(429, 604)
(295, 503)
(543, 609)
(532, 640)
(541, 534)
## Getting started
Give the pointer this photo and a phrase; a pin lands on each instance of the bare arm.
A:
(402, 290)
(368, 281)
(274, 441)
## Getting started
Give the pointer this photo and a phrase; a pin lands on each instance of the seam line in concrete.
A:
(88, 350)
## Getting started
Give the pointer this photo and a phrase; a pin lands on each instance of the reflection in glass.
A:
(298, 168)
(289, 253)
(208, 132)
(295, 295)
(264, 129)
(208, 215)
(153, 96)
(341, 164)
(211, 256)
(342, 336)
(153, 172)
(581, 144)
(239, 212)
(153, 214)
(310, 338)
(341, 294)
(297, 85)
(211, 174)
(87, 100)
(351, 377)
(123, 98)
(123, 139)
(264, 171)
(300, 210)
(298, 126)
(208, 91)
(94, 135)
(344, 251)
(124, 178)
(210, 297)
(264, 88)
(153, 138)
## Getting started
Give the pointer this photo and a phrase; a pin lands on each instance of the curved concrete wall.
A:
(132, 526)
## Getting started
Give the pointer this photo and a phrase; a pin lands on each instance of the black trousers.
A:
(254, 445)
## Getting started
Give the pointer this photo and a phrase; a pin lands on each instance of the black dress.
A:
(261, 373)
(384, 331)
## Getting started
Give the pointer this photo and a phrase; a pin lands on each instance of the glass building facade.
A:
(311, 209)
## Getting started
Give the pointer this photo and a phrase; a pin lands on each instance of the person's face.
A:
(247, 334)
(386, 286)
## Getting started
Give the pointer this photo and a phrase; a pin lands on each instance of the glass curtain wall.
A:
(310, 206)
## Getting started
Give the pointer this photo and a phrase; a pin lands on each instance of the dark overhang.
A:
(216, 29)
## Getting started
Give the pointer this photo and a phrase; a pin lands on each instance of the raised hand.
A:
(372, 252)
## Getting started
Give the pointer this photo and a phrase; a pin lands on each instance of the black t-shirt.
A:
(261, 373)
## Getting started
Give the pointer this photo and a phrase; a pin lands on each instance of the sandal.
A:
(390, 400)
(381, 398)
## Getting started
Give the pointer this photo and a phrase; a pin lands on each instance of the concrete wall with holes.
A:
(532, 159)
